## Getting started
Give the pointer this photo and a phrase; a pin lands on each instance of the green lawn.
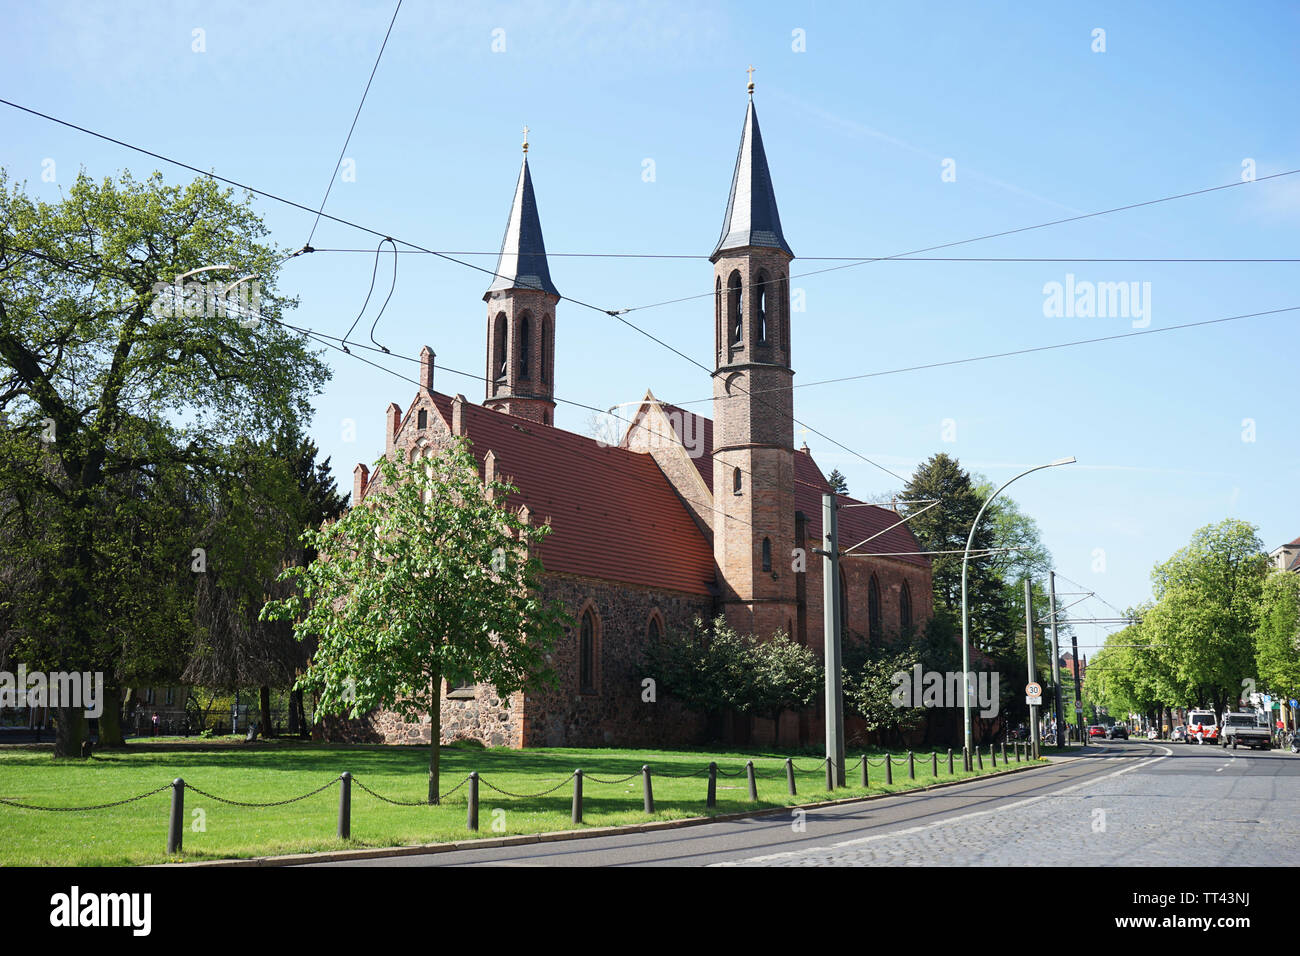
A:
(136, 832)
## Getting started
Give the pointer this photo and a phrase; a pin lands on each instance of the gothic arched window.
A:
(525, 344)
(587, 652)
(760, 307)
(735, 308)
(905, 607)
(873, 609)
(736, 486)
(767, 554)
(499, 346)
(653, 629)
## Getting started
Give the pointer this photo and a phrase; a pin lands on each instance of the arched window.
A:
(525, 344)
(760, 307)
(873, 609)
(653, 629)
(544, 365)
(905, 607)
(735, 308)
(767, 554)
(717, 314)
(735, 481)
(499, 346)
(587, 652)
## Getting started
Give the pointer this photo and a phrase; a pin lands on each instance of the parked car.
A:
(1096, 730)
(1178, 735)
(1117, 732)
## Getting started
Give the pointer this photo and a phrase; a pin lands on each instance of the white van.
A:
(1202, 727)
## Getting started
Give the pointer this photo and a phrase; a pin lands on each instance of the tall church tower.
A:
(521, 315)
(753, 404)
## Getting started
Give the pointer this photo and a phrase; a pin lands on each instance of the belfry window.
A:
(525, 344)
(735, 308)
(543, 366)
(760, 308)
(499, 346)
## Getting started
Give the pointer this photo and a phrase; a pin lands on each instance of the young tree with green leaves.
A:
(1277, 635)
(430, 578)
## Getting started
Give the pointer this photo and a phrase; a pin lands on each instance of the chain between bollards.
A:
(175, 823)
(345, 806)
(577, 796)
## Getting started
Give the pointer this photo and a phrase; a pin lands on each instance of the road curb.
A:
(556, 836)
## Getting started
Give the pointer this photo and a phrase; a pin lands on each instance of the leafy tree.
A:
(839, 484)
(1277, 635)
(430, 578)
(116, 403)
(714, 669)
(1206, 611)
(869, 683)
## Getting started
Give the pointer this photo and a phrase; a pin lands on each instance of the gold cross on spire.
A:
(750, 71)
(525, 139)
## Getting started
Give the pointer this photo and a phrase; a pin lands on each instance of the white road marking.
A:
(939, 823)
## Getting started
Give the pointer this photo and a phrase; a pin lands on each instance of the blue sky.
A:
(857, 127)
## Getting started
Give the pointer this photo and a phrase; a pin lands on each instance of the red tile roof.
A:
(856, 524)
(613, 514)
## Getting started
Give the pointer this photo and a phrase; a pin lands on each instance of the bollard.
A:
(965, 759)
(993, 755)
(889, 769)
(979, 757)
(830, 774)
(865, 782)
(471, 818)
(753, 784)
(934, 763)
(950, 770)
(649, 791)
(1004, 751)
(1017, 753)
(577, 796)
(175, 825)
(712, 800)
(911, 766)
(789, 775)
(345, 806)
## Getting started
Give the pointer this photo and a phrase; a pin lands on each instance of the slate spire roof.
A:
(522, 263)
(752, 218)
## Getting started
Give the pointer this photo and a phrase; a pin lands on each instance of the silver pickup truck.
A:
(1244, 729)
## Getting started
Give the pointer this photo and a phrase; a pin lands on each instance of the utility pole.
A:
(1078, 689)
(1029, 646)
(1056, 658)
(831, 617)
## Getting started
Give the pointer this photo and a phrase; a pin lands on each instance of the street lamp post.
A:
(965, 610)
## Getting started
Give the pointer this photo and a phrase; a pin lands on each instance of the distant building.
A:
(1286, 557)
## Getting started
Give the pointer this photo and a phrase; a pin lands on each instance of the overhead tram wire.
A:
(653, 255)
(996, 235)
(353, 127)
(1027, 351)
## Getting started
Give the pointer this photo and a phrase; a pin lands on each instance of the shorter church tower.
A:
(521, 315)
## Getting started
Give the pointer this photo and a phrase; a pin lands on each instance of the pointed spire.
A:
(522, 263)
(752, 218)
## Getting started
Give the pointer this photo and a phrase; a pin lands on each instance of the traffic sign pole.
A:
(1029, 645)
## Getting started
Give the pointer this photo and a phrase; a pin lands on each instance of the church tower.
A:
(753, 404)
(521, 315)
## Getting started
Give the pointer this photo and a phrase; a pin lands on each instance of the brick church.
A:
(685, 517)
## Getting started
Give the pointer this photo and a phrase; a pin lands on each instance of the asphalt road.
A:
(1122, 803)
